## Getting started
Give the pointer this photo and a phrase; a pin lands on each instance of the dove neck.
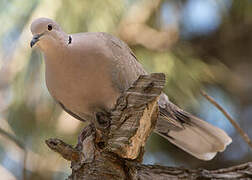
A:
(54, 54)
(54, 44)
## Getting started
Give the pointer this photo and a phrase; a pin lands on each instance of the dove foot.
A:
(102, 120)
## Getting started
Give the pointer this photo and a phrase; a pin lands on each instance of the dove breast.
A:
(78, 75)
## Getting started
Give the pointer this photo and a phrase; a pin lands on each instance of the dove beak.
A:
(35, 39)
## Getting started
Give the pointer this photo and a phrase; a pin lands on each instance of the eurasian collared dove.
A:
(87, 72)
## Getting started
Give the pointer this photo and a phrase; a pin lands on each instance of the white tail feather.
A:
(199, 139)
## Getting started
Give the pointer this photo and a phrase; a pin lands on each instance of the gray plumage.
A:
(87, 72)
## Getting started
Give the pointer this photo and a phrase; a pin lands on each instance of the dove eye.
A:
(49, 27)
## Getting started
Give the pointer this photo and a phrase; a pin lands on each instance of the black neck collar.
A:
(69, 39)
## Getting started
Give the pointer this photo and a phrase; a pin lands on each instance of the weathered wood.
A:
(135, 116)
(109, 166)
(114, 151)
(150, 172)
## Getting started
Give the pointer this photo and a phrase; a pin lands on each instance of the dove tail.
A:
(191, 134)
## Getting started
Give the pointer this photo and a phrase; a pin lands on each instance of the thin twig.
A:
(232, 121)
(12, 138)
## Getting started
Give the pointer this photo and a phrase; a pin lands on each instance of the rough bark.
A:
(112, 147)
(140, 172)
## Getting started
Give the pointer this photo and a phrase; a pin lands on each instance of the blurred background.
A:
(199, 44)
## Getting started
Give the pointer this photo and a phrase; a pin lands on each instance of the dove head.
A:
(47, 34)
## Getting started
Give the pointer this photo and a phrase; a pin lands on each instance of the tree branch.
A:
(231, 120)
(111, 148)
(148, 172)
